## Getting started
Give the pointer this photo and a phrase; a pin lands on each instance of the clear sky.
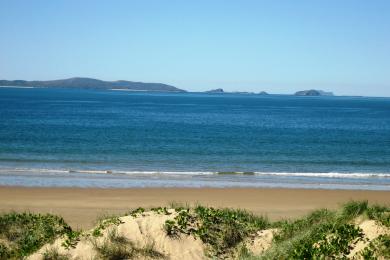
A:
(277, 46)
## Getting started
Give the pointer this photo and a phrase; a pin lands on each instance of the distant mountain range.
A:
(90, 83)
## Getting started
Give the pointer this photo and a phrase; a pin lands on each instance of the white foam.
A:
(200, 173)
(15, 87)
(90, 171)
(43, 170)
(327, 174)
(163, 173)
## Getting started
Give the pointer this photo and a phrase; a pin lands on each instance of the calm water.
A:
(57, 137)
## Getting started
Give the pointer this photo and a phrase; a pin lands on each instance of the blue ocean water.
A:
(64, 137)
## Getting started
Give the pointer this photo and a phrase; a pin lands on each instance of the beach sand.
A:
(82, 206)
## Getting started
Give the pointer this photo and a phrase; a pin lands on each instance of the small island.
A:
(313, 92)
(218, 90)
(221, 91)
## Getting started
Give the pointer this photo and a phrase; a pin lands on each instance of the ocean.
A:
(91, 138)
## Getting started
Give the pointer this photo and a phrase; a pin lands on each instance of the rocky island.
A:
(313, 92)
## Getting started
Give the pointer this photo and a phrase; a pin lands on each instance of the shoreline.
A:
(118, 179)
(80, 207)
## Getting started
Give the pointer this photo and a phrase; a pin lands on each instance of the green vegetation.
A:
(325, 234)
(23, 233)
(321, 234)
(116, 247)
(161, 210)
(380, 214)
(136, 212)
(103, 224)
(221, 229)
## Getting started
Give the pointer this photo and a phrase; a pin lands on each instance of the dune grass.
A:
(117, 247)
(53, 254)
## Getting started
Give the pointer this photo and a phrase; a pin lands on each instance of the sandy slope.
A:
(144, 230)
(371, 230)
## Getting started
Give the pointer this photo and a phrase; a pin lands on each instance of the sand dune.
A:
(143, 236)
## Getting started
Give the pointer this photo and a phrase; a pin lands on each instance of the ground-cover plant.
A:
(161, 210)
(104, 223)
(225, 228)
(23, 233)
(136, 212)
(221, 229)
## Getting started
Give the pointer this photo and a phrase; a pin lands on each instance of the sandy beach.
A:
(82, 206)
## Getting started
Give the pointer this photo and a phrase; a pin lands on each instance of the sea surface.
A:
(90, 138)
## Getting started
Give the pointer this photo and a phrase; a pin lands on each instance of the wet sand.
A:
(82, 206)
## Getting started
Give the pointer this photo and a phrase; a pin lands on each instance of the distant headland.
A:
(89, 83)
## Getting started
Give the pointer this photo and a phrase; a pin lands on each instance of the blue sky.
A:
(277, 46)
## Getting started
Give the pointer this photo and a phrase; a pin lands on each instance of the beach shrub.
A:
(24, 233)
(225, 228)
(221, 229)
(171, 228)
(71, 239)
